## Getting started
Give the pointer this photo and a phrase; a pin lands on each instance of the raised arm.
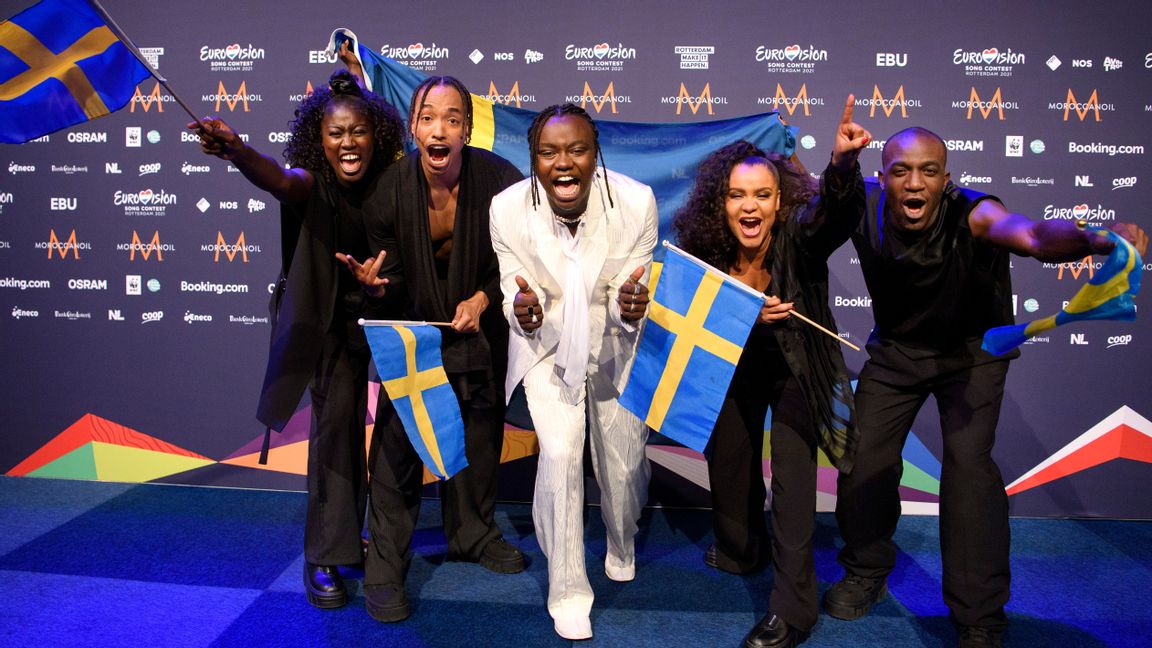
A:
(1054, 241)
(286, 185)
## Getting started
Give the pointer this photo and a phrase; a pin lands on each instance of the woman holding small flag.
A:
(342, 138)
(759, 217)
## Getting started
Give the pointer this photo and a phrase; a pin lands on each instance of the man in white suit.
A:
(572, 270)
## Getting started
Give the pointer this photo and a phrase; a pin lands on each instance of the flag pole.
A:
(371, 322)
(119, 33)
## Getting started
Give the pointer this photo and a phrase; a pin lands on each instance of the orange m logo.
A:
(230, 250)
(146, 101)
(1075, 268)
(609, 96)
(146, 249)
(241, 96)
(513, 95)
(704, 98)
(996, 102)
(791, 103)
(1092, 104)
(62, 248)
(888, 106)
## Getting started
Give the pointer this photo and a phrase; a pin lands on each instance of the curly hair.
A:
(561, 110)
(305, 149)
(701, 225)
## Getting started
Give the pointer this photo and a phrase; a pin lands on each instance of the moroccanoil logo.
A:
(510, 98)
(898, 100)
(146, 249)
(146, 101)
(61, 248)
(297, 98)
(598, 101)
(230, 250)
(801, 100)
(986, 106)
(232, 99)
(1082, 108)
(694, 103)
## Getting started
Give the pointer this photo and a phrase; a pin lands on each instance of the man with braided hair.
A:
(572, 270)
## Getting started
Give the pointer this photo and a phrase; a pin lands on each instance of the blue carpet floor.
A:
(98, 564)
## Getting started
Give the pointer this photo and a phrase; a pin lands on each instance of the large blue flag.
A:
(662, 156)
(1107, 296)
(407, 356)
(60, 65)
(698, 321)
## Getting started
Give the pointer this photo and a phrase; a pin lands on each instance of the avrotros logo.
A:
(601, 57)
(61, 248)
(146, 250)
(232, 99)
(1080, 212)
(146, 101)
(991, 61)
(233, 58)
(598, 100)
(1082, 108)
(512, 97)
(694, 102)
(145, 202)
(782, 100)
(792, 59)
(995, 102)
(889, 105)
(230, 250)
(417, 56)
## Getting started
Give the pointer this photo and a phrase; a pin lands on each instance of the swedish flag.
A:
(60, 64)
(698, 321)
(1107, 296)
(411, 371)
(629, 147)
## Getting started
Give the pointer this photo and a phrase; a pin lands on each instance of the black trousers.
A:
(337, 476)
(468, 499)
(735, 470)
(974, 532)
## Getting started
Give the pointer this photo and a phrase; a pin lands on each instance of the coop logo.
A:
(1123, 183)
(967, 179)
(990, 62)
(1082, 108)
(146, 101)
(510, 98)
(891, 59)
(889, 106)
(598, 100)
(150, 168)
(791, 59)
(151, 316)
(1119, 340)
(192, 318)
(231, 99)
(230, 250)
(985, 107)
(704, 99)
(1080, 212)
(791, 104)
(323, 57)
(15, 168)
(189, 169)
(18, 313)
(61, 248)
(694, 57)
(146, 250)
(145, 202)
(233, 58)
(298, 97)
(599, 58)
(417, 55)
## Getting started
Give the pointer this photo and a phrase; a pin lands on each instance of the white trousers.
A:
(621, 468)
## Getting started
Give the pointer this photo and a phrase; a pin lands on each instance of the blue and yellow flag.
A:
(60, 64)
(407, 356)
(662, 156)
(1107, 296)
(698, 321)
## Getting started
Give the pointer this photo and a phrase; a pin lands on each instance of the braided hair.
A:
(305, 149)
(426, 86)
(561, 110)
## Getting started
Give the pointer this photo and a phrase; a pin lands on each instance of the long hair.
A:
(421, 92)
(701, 225)
(561, 110)
(305, 149)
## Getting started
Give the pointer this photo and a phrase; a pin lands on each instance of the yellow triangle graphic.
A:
(126, 464)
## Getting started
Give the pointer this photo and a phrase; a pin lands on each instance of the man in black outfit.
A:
(936, 261)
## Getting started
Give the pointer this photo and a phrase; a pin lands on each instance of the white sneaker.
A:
(618, 572)
(574, 628)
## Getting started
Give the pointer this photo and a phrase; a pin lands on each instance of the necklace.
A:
(568, 220)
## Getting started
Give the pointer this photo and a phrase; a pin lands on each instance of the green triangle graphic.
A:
(78, 464)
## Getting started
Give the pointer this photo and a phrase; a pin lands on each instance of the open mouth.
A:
(914, 207)
(350, 163)
(438, 153)
(750, 226)
(566, 188)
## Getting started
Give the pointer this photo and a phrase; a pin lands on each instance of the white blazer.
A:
(615, 241)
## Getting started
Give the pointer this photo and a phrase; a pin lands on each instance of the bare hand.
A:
(368, 273)
(774, 310)
(350, 61)
(467, 319)
(526, 307)
(1134, 234)
(217, 138)
(633, 297)
(851, 138)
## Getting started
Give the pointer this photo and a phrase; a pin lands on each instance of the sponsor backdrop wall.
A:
(135, 271)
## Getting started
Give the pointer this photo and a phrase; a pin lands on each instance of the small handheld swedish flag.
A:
(698, 322)
(61, 64)
(407, 356)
